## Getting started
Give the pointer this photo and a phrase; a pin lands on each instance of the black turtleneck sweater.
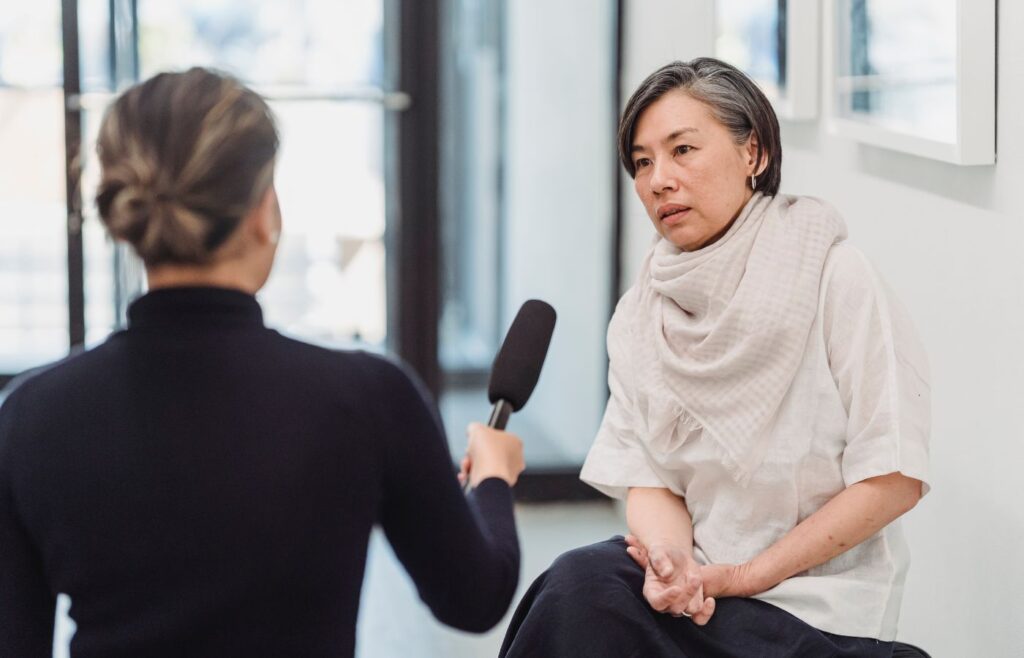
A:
(202, 486)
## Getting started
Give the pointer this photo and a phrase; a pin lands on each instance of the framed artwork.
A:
(776, 43)
(917, 76)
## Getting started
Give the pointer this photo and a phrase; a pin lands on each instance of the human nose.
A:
(662, 178)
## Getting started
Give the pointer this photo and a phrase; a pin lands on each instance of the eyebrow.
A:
(674, 135)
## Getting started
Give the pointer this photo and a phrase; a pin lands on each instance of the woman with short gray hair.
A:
(769, 412)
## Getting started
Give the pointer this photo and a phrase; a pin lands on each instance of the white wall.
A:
(950, 240)
(655, 32)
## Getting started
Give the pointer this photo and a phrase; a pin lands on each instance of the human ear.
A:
(263, 219)
(750, 149)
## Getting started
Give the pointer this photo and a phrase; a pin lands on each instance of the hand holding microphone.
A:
(492, 452)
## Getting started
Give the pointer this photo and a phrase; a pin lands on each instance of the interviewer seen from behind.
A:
(200, 485)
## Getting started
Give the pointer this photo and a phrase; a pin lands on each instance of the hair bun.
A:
(184, 156)
(155, 223)
(126, 206)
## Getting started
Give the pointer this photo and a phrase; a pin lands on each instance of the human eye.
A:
(640, 163)
(683, 149)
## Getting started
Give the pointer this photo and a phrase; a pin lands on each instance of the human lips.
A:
(672, 213)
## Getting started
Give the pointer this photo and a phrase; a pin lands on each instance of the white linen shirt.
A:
(859, 407)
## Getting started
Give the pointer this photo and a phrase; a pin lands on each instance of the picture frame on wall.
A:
(776, 43)
(916, 76)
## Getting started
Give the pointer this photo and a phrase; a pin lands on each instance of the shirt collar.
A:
(191, 306)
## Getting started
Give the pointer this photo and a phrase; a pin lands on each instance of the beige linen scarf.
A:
(713, 338)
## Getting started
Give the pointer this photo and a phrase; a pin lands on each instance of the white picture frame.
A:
(790, 79)
(943, 107)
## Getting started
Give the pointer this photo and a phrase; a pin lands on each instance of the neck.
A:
(216, 276)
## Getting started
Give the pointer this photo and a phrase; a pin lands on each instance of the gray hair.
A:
(734, 99)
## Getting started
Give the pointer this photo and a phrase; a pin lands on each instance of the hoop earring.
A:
(753, 182)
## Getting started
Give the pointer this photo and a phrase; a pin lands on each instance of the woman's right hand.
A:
(491, 453)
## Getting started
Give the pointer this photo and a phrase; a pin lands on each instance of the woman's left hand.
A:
(672, 582)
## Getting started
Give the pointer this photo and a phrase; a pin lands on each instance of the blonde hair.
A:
(184, 156)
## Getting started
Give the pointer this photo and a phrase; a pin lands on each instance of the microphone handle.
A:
(499, 418)
(499, 414)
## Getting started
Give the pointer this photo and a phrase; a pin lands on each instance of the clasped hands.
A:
(676, 584)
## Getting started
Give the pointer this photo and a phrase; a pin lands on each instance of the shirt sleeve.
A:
(27, 607)
(617, 459)
(880, 369)
(462, 553)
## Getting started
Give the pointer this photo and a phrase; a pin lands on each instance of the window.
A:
(33, 248)
(319, 63)
(530, 188)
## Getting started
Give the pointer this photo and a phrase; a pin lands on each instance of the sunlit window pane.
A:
(524, 223)
(30, 44)
(328, 282)
(328, 279)
(101, 304)
(33, 243)
(751, 35)
(94, 45)
(321, 44)
(470, 223)
(881, 79)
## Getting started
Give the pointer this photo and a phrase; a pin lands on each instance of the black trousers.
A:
(590, 604)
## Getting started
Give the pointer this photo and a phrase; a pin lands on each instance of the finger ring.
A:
(680, 614)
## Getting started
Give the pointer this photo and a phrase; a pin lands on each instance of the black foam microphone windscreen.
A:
(518, 363)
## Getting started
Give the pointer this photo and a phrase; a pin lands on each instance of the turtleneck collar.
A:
(195, 306)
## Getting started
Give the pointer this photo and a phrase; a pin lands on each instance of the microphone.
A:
(519, 361)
